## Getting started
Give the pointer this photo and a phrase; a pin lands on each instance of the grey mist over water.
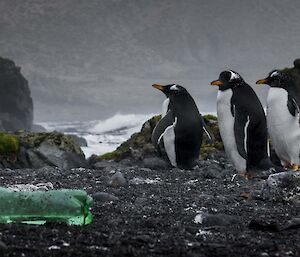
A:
(91, 59)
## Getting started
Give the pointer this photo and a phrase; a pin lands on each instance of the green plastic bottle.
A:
(38, 207)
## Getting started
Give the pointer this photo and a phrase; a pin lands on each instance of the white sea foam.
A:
(102, 136)
(119, 122)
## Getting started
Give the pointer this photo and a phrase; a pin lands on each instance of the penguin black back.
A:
(187, 125)
(246, 101)
(189, 129)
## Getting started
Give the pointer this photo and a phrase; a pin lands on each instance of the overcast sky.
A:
(90, 59)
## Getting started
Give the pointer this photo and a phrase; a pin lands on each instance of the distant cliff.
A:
(16, 106)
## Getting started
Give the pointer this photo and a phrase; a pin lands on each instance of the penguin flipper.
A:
(161, 126)
(207, 131)
(241, 122)
(293, 106)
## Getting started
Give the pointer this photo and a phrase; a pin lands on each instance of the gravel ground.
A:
(145, 212)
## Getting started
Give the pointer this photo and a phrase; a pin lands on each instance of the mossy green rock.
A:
(37, 150)
(63, 142)
(139, 145)
(209, 149)
(9, 144)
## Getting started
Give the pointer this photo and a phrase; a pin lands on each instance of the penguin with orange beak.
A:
(179, 132)
(242, 124)
(283, 103)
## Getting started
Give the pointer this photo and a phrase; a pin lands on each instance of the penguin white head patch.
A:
(174, 87)
(275, 73)
(234, 75)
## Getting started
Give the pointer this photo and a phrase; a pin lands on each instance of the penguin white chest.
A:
(165, 107)
(226, 125)
(283, 127)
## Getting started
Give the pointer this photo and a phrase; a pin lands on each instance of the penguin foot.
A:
(294, 167)
(286, 165)
(248, 175)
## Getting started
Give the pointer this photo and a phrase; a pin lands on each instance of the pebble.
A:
(155, 163)
(117, 180)
(105, 197)
(219, 219)
(3, 246)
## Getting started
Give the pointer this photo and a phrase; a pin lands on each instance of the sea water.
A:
(102, 136)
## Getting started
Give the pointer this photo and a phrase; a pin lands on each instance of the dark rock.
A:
(292, 224)
(3, 247)
(282, 187)
(206, 198)
(38, 128)
(60, 151)
(16, 106)
(220, 219)
(45, 149)
(104, 164)
(274, 226)
(105, 197)
(264, 225)
(7, 171)
(214, 170)
(79, 140)
(155, 163)
(140, 201)
(117, 180)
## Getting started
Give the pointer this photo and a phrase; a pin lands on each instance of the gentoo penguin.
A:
(242, 124)
(283, 103)
(179, 132)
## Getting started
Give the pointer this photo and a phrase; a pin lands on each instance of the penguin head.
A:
(277, 78)
(172, 90)
(228, 79)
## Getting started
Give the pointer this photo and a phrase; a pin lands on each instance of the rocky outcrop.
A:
(37, 150)
(214, 149)
(294, 71)
(137, 146)
(16, 107)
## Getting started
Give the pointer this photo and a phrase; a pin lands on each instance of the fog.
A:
(91, 59)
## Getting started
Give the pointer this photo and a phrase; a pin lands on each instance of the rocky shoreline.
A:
(139, 211)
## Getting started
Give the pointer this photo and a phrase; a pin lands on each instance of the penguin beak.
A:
(262, 81)
(159, 87)
(216, 83)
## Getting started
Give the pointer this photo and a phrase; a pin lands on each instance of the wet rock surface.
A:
(156, 213)
(281, 187)
(36, 150)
